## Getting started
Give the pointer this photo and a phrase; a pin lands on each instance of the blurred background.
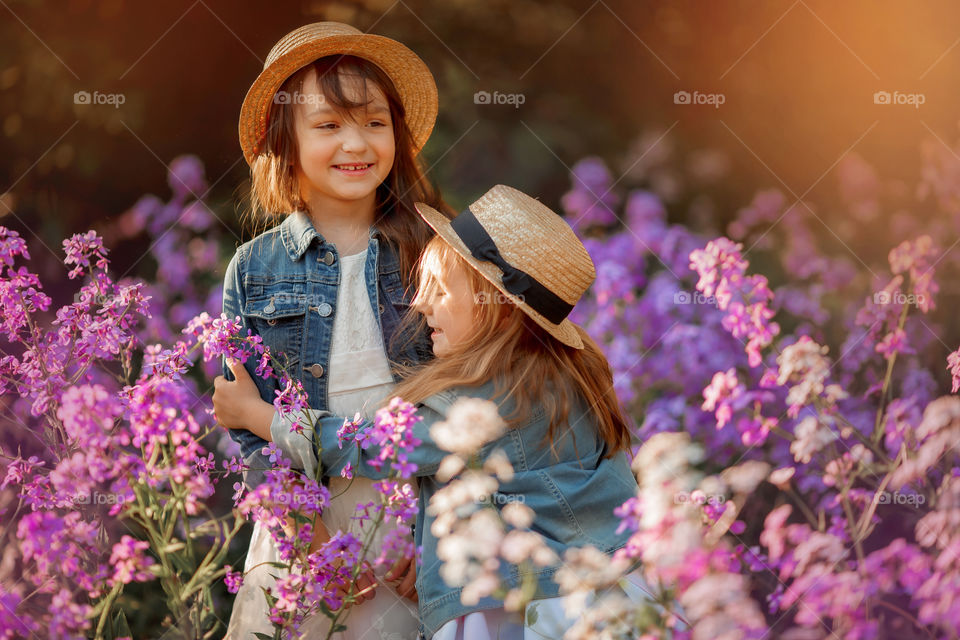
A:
(746, 95)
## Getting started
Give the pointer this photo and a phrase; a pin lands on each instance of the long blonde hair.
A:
(528, 364)
(274, 191)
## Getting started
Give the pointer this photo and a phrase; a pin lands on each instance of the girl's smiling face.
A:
(342, 157)
(448, 303)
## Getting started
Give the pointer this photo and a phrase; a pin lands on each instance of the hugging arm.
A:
(426, 456)
(250, 444)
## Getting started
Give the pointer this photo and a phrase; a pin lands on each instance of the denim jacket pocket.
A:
(279, 316)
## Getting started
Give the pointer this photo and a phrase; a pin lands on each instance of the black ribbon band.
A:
(518, 282)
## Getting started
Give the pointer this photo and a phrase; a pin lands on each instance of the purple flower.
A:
(719, 395)
(129, 562)
(81, 249)
(233, 580)
(186, 177)
(953, 364)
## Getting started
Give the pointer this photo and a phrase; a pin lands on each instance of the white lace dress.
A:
(360, 381)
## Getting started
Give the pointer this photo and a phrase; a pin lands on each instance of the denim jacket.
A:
(572, 492)
(283, 285)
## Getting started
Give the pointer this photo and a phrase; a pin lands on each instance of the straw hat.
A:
(525, 250)
(410, 76)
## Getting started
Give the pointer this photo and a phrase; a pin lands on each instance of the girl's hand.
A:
(404, 572)
(238, 405)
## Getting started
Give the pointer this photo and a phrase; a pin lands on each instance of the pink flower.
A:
(953, 364)
(128, 561)
(720, 393)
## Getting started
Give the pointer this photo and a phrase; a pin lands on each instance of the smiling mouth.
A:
(354, 166)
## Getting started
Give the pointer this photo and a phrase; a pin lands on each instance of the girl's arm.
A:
(233, 302)
(238, 405)
(427, 455)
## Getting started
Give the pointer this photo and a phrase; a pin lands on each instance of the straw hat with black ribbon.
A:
(525, 250)
(300, 47)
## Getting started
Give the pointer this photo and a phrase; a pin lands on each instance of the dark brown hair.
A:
(274, 190)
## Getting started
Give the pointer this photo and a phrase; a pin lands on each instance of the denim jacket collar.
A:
(297, 232)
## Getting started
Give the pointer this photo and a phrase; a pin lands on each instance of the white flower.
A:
(472, 486)
(499, 465)
(470, 424)
(518, 515)
(812, 436)
(745, 477)
(450, 466)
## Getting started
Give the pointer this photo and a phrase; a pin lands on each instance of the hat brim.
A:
(410, 75)
(566, 332)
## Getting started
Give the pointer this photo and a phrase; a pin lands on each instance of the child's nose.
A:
(352, 139)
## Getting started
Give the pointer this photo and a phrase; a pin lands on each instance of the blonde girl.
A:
(496, 286)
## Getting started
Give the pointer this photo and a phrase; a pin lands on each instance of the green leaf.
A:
(120, 627)
(532, 615)
(182, 564)
(263, 636)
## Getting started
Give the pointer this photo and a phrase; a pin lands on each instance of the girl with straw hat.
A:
(495, 287)
(331, 129)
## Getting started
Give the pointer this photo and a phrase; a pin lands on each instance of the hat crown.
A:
(536, 240)
(408, 73)
(309, 33)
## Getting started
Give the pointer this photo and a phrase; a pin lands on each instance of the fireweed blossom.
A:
(854, 460)
(722, 271)
(109, 447)
(856, 538)
(474, 536)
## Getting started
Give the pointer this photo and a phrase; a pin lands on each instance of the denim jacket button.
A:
(328, 258)
(324, 309)
(316, 370)
(272, 321)
(380, 307)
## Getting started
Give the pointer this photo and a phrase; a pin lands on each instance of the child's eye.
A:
(377, 123)
(327, 125)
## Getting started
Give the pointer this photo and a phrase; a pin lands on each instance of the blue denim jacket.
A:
(283, 285)
(572, 492)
